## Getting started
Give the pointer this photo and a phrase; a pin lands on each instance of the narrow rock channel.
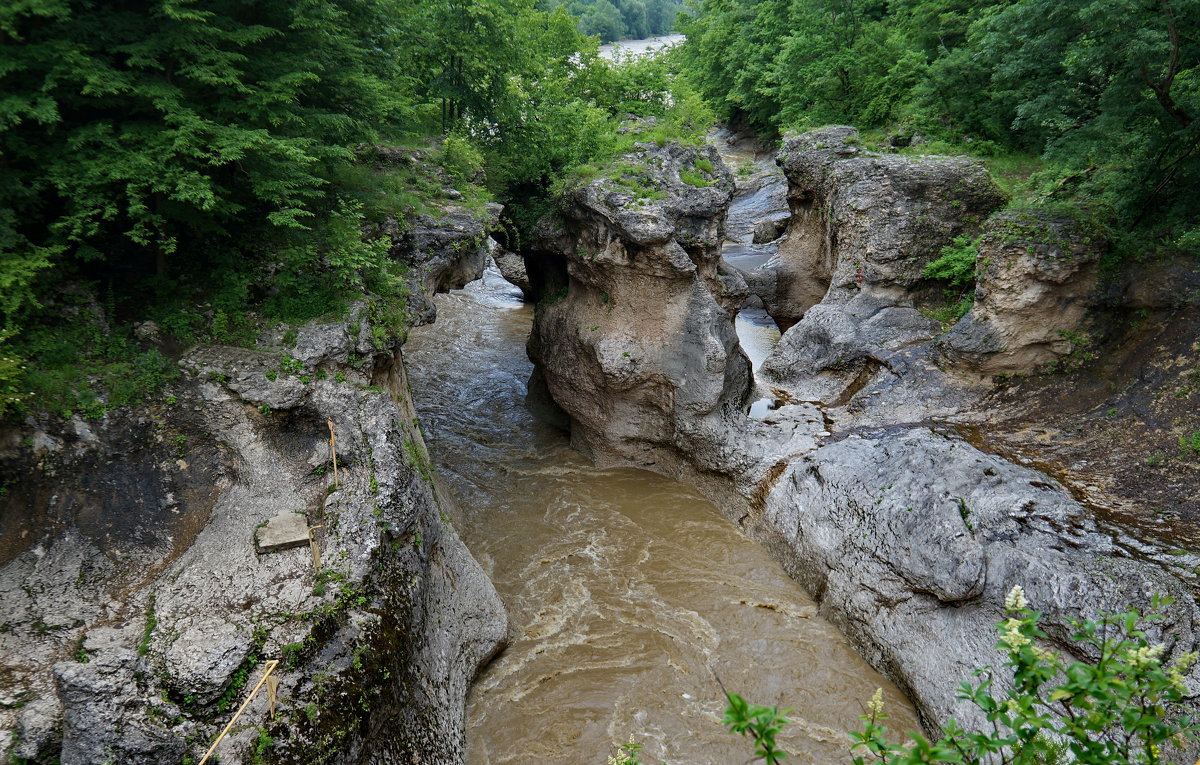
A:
(627, 590)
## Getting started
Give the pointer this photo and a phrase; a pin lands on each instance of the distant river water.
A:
(628, 592)
(639, 47)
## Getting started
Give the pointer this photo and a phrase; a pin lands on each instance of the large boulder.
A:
(634, 331)
(1034, 276)
(910, 539)
(512, 267)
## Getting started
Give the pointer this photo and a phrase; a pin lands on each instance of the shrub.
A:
(460, 158)
(1121, 710)
(956, 266)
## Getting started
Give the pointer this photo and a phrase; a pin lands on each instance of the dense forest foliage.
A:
(621, 19)
(1105, 92)
(211, 164)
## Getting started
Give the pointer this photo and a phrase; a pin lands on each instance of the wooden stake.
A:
(270, 668)
(333, 450)
(272, 693)
(316, 551)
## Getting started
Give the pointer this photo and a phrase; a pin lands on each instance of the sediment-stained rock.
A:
(1034, 276)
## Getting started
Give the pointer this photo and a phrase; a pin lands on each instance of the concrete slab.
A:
(283, 532)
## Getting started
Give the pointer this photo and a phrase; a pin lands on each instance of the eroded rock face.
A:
(1034, 277)
(911, 541)
(512, 268)
(444, 252)
(634, 328)
(137, 607)
(908, 536)
(867, 224)
(864, 228)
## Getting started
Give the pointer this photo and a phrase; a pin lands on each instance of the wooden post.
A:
(333, 450)
(272, 693)
(316, 551)
(270, 668)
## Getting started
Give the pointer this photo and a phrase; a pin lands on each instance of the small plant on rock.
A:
(1190, 444)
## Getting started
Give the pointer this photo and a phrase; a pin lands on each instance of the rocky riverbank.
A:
(155, 559)
(907, 533)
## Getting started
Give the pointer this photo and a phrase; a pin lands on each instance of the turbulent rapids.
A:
(629, 593)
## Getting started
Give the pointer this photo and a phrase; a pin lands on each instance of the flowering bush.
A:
(1120, 710)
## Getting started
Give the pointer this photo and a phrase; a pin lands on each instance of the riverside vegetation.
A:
(1084, 108)
(178, 162)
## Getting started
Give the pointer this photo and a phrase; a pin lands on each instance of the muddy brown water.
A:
(627, 591)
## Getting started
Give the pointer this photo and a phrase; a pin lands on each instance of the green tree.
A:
(603, 19)
(1111, 90)
(133, 126)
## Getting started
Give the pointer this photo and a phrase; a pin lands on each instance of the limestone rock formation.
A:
(866, 224)
(908, 536)
(634, 327)
(444, 252)
(512, 268)
(1034, 275)
(763, 213)
(137, 608)
(911, 539)
(863, 229)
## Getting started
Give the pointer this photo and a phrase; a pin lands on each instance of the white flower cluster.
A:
(1145, 655)
(1045, 654)
(1015, 600)
(875, 705)
(1012, 636)
(1179, 668)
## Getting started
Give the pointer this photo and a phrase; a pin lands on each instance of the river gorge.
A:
(564, 511)
(629, 593)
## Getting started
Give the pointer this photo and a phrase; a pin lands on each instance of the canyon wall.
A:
(140, 583)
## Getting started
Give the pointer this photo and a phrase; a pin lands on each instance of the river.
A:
(628, 592)
(638, 48)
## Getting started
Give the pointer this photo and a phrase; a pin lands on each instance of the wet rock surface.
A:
(138, 612)
(512, 267)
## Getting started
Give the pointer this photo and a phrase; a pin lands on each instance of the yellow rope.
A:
(270, 668)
